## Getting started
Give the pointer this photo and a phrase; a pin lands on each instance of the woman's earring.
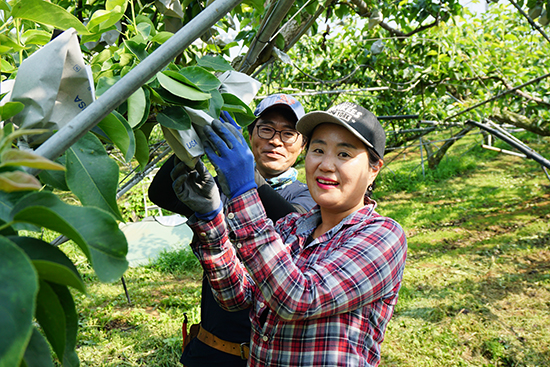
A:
(370, 188)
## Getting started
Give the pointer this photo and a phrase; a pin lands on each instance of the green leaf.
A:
(51, 317)
(50, 262)
(144, 29)
(6, 66)
(16, 157)
(7, 141)
(70, 358)
(201, 78)
(145, 117)
(111, 5)
(181, 90)
(44, 12)
(511, 37)
(143, 18)
(17, 301)
(216, 63)
(137, 49)
(179, 77)
(155, 97)
(142, 148)
(7, 202)
(10, 44)
(136, 107)
(312, 7)
(104, 83)
(169, 98)
(174, 118)
(37, 353)
(95, 231)
(256, 4)
(119, 131)
(36, 37)
(8, 130)
(91, 175)
(10, 109)
(230, 45)
(7, 230)
(4, 5)
(104, 19)
(216, 104)
(162, 37)
(243, 113)
(55, 179)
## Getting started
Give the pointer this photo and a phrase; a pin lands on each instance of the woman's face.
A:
(337, 169)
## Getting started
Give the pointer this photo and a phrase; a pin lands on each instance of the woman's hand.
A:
(230, 155)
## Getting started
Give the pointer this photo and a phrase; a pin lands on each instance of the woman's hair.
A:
(374, 160)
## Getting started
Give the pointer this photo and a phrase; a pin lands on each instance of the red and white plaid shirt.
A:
(323, 303)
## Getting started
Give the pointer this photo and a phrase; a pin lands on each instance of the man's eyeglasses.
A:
(287, 136)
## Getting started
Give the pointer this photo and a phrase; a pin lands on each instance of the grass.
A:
(476, 290)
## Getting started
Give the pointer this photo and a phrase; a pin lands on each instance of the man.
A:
(276, 144)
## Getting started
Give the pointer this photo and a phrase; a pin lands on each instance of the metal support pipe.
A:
(490, 147)
(422, 157)
(272, 22)
(141, 175)
(530, 153)
(125, 87)
(303, 29)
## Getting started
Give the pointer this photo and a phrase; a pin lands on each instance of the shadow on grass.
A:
(509, 305)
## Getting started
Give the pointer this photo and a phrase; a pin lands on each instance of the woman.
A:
(322, 285)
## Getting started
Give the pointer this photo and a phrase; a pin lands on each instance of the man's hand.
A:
(197, 189)
(230, 155)
(226, 117)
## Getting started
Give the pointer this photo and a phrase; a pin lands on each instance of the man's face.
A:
(273, 156)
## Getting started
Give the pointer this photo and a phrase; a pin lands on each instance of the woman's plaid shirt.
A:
(323, 303)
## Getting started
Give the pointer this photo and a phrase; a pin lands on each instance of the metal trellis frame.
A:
(127, 85)
(506, 137)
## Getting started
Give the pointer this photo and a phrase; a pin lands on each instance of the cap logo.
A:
(346, 112)
(284, 99)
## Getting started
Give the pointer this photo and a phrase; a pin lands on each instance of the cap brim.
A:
(311, 120)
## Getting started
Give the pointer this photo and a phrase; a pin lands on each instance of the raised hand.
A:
(231, 157)
(197, 189)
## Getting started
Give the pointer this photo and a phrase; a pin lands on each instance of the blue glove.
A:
(231, 157)
(197, 189)
(226, 117)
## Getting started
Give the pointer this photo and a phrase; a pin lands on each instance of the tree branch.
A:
(519, 93)
(523, 94)
(362, 9)
(505, 116)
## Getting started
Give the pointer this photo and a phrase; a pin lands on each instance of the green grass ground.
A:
(476, 290)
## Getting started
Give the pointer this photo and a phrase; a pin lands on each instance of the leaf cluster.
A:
(36, 275)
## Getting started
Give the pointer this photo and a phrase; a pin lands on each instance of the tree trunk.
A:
(435, 159)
